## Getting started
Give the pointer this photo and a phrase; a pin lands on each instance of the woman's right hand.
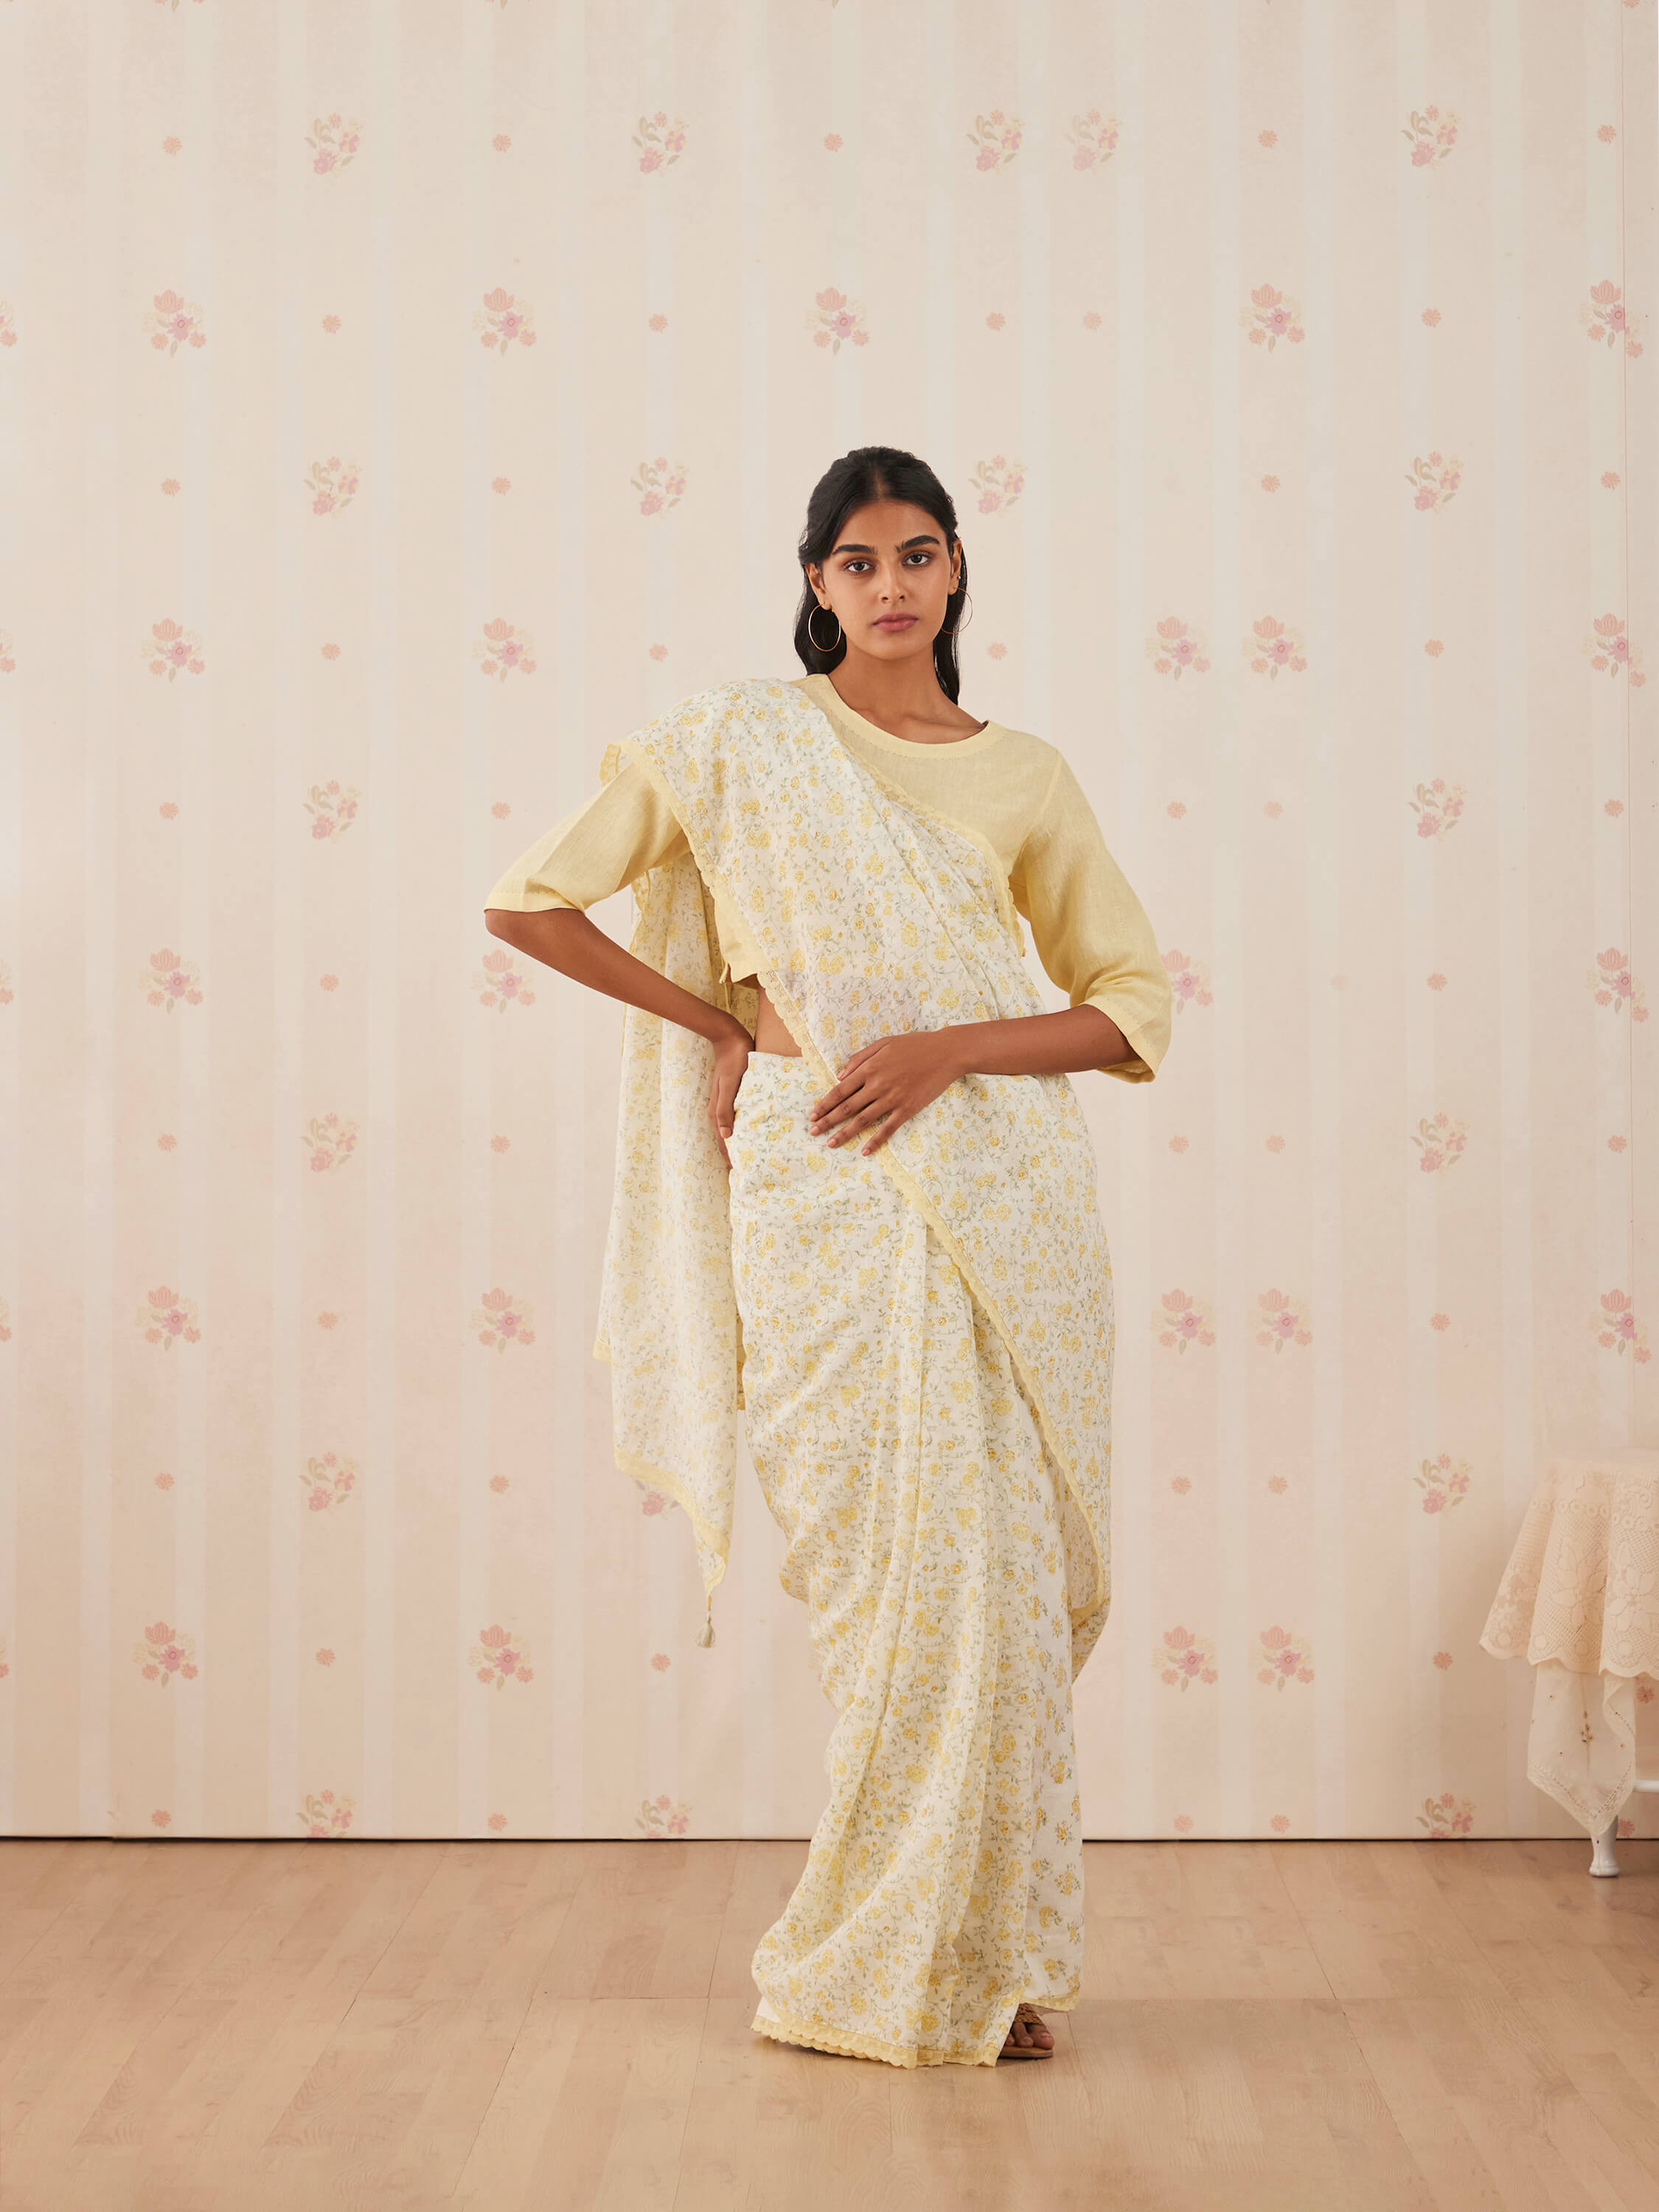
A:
(732, 1050)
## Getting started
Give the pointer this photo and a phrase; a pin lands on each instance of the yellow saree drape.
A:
(925, 1357)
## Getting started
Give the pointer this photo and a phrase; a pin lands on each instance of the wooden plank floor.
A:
(312, 2028)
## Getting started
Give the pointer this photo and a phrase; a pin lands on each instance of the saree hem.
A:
(986, 2053)
(839, 2045)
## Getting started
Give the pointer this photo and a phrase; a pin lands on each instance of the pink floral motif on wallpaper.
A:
(502, 1320)
(654, 1502)
(328, 1480)
(1438, 807)
(1612, 984)
(332, 807)
(1184, 1657)
(658, 486)
(326, 1814)
(1189, 979)
(1440, 1143)
(1272, 315)
(998, 482)
(997, 138)
(5, 983)
(1444, 1482)
(1446, 1816)
(1181, 1321)
(1616, 1327)
(1283, 1657)
(498, 1823)
(1280, 1320)
(1175, 648)
(164, 1653)
(1434, 479)
(1605, 315)
(1274, 645)
(331, 1141)
(166, 1315)
(1092, 138)
(504, 322)
(661, 141)
(5, 1322)
(1430, 136)
(333, 484)
(5, 1666)
(498, 1658)
(8, 324)
(170, 980)
(833, 318)
(173, 322)
(1609, 647)
(502, 984)
(663, 1816)
(334, 143)
(7, 664)
(170, 647)
(504, 647)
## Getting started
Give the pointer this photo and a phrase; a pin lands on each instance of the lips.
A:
(896, 622)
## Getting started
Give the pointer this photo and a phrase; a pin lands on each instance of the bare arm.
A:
(564, 939)
(1040, 1044)
(890, 1081)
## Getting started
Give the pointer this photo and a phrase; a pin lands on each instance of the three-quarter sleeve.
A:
(624, 829)
(1091, 931)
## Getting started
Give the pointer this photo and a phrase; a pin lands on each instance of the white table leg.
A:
(1602, 1858)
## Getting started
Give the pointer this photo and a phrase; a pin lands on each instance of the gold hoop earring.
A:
(835, 640)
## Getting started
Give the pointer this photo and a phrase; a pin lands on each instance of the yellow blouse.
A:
(1013, 790)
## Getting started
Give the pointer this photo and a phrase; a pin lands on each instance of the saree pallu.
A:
(899, 1454)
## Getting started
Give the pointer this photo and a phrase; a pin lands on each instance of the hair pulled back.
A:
(867, 473)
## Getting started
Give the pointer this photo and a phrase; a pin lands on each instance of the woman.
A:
(855, 1195)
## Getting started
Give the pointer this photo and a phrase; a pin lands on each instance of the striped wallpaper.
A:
(400, 402)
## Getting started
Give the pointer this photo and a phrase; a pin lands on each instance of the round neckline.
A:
(975, 741)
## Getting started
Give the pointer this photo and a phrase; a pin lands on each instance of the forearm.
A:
(563, 938)
(1039, 1044)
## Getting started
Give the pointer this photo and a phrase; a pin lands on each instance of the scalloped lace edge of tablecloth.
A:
(1580, 1600)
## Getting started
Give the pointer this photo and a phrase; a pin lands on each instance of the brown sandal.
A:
(1029, 2016)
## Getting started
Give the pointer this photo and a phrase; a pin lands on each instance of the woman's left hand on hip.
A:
(887, 1083)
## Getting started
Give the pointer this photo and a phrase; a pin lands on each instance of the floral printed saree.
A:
(922, 1346)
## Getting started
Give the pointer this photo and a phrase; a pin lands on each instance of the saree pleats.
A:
(899, 1454)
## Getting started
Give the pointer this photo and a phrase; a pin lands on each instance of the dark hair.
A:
(867, 473)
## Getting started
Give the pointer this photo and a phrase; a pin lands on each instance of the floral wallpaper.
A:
(419, 397)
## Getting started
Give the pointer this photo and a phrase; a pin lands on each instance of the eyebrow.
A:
(926, 538)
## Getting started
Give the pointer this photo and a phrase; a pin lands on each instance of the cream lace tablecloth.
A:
(1580, 1599)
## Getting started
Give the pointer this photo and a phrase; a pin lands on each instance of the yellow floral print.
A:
(898, 1452)
(922, 1345)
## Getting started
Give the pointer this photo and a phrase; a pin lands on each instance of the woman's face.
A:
(887, 579)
